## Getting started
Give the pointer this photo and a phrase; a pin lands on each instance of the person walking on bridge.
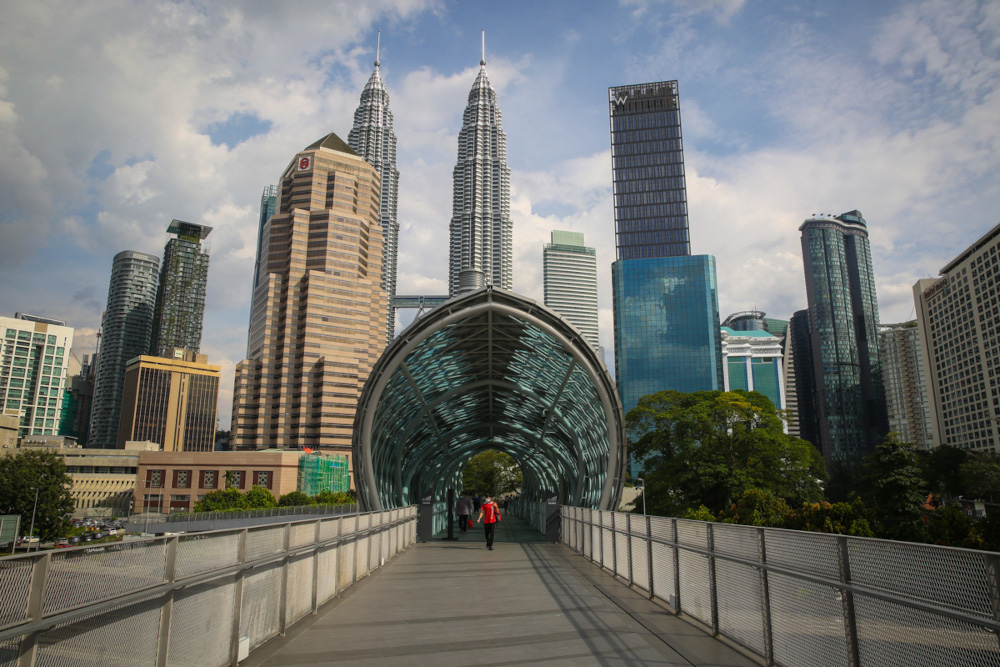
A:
(463, 508)
(491, 513)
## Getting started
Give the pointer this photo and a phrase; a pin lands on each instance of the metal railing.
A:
(531, 511)
(297, 510)
(798, 598)
(192, 599)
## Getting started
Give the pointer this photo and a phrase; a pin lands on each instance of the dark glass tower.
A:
(372, 138)
(180, 299)
(648, 162)
(843, 312)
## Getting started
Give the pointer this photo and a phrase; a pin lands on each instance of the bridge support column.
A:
(553, 521)
(425, 517)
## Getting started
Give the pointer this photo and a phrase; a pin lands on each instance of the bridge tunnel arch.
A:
(489, 369)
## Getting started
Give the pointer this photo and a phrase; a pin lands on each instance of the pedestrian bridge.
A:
(614, 588)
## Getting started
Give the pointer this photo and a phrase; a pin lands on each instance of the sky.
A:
(117, 117)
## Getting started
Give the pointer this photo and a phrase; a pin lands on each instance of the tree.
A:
(941, 470)
(895, 491)
(336, 497)
(222, 500)
(491, 472)
(259, 497)
(709, 447)
(758, 507)
(295, 498)
(981, 476)
(20, 475)
(824, 517)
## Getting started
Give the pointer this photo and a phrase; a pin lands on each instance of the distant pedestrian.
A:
(463, 508)
(476, 502)
(488, 516)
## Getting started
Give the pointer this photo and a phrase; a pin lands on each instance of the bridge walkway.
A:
(525, 602)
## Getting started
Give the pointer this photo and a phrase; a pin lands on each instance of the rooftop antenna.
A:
(483, 61)
(378, 44)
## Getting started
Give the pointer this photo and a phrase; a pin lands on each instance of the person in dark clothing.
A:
(463, 508)
(476, 502)
(489, 514)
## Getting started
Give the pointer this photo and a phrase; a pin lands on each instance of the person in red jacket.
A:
(489, 514)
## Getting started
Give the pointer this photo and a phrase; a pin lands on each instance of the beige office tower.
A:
(317, 318)
(172, 401)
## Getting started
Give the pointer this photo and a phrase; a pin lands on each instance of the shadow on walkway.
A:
(525, 602)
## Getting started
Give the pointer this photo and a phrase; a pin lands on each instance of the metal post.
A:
(167, 605)
(32, 531)
(712, 582)
(614, 545)
(600, 535)
(286, 535)
(315, 568)
(677, 569)
(847, 603)
(649, 554)
(765, 598)
(354, 570)
(234, 636)
(628, 541)
(993, 582)
(28, 649)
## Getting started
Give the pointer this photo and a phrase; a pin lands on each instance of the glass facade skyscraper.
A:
(126, 329)
(372, 138)
(667, 333)
(180, 298)
(482, 250)
(843, 312)
(648, 161)
(752, 362)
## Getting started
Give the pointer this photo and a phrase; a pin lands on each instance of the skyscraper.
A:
(570, 280)
(34, 358)
(482, 251)
(906, 387)
(958, 317)
(666, 306)
(373, 139)
(180, 298)
(126, 330)
(843, 312)
(317, 319)
(268, 202)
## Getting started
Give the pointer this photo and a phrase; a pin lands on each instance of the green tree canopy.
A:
(491, 472)
(295, 498)
(980, 474)
(710, 447)
(260, 497)
(222, 500)
(20, 475)
(895, 490)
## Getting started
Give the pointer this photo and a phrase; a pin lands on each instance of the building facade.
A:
(317, 320)
(570, 281)
(647, 156)
(958, 319)
(482, 248)
(180, 297)
(843, 312)
(906, 394)
(667, 332)
(126, 330)
(753, 362)
(34, 362)
(172, 401)
(373, 138)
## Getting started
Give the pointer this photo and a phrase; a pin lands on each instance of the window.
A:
(182, 479)
(235, 479)
(154, 478)
(208, 479)
(262, 478)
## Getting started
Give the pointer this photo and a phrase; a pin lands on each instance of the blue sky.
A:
(116, 117)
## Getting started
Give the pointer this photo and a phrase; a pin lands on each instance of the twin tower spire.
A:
(481, 248)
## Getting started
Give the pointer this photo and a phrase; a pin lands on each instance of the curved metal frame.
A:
(549, 448)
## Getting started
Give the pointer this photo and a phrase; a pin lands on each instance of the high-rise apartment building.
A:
(180, 298)
(126, 329)
(570, 281)
(906, 394)
(317, 319)
(171, 400)
(372, 138)
(800, 383)
(843, 312)
(958, 317)
(752, 362)
(34, 358)
(666, 307)
(482, 250)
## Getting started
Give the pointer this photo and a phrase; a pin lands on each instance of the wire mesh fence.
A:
(796, 598)
(192, 599)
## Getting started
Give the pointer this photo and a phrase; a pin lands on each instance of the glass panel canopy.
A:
(489, 370)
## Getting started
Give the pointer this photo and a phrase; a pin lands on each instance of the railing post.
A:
(286, 538)
(36, 602)
(847, 603)
(677, 568)
(993, 582)
(628, 541)
(167, 603)
(712, 582)
(234, 637)
(600, 535)
(765, 598)
(315, 568)
(357, 528)
(649, 554)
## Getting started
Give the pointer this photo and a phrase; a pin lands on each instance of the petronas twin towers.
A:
(481, 247)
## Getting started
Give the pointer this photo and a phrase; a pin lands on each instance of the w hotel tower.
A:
(318, 314)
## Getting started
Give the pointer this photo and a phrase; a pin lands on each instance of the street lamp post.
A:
(31, 534)
(640, 480)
